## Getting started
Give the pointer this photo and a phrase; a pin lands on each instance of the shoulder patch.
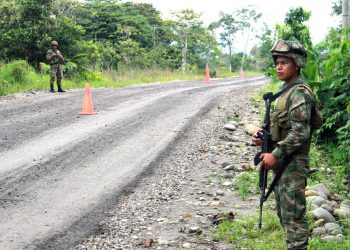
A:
(297, 98)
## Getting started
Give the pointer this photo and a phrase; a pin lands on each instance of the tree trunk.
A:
(345, 14)
(184, 55)
(230, 57)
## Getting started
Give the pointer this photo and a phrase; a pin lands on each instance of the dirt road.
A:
(61, 170)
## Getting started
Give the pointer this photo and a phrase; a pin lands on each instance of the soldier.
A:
(292, 123)
(55, 59)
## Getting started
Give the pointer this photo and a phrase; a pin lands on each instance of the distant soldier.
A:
(293, 120)
(55, 59)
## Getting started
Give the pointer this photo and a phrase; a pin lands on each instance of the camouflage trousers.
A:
(291, 206)
(56, 72)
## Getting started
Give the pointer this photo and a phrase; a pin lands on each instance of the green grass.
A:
(225, 73)
(19, 76)
(251, 73)
(273, 87)
(134, 76)
(244, 233)
(246, 184)
(332, 165)
(317, 243)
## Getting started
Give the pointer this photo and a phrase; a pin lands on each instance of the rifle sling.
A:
(278, 94)
(275, 180)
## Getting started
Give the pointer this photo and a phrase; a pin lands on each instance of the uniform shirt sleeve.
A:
(49, 55)
(300, 132)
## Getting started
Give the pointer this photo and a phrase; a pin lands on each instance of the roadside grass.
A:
(246, 184)
(252, 73)
(331, 164)
(136, 76)
(332, 168)
(273, 87)
(316, 243)
(18, 76)
(243, 232)
(224, 72)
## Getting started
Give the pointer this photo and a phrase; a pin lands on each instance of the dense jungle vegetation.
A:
(112, 43)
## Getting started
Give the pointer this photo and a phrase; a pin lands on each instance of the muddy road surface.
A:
(62, 171)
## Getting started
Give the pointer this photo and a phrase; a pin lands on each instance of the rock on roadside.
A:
(173, 208)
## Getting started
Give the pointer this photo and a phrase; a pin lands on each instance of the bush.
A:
(14, 75)
(16, 72)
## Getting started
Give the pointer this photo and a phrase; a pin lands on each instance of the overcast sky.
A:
(273, 11)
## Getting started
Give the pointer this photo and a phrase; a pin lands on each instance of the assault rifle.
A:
(266, 147)
(60, 58)
(265, 137)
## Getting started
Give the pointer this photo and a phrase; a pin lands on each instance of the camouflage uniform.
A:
(295, 140)
(55, 59)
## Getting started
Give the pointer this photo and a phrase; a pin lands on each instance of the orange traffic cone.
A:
(207, 76)
(87, 103)
(241, 73)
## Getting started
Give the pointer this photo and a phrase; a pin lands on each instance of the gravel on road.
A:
(155, 168)
(177, 204)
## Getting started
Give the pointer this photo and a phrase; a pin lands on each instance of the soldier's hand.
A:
(268, 160)
(256, 139)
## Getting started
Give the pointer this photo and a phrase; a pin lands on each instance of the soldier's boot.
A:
(52, 90)
(60, 87)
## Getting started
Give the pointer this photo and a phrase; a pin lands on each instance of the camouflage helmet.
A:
(54, 43)
(292, 49)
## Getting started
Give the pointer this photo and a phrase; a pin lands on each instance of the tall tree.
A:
(242, 20)
(24, 33)
(294, 26)
(336, 7)
(186, 26)
(247, 19)
(114, 21)
(122, 26)
(345, 14)
(28, 26)
(230, 26)
(261, 52)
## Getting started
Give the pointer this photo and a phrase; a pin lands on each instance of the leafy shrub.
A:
(14, 75)
(70, 69)
(44, 68)
(334, 92)
(16, 72)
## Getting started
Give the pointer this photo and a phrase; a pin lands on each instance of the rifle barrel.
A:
(263, 182)
(265, 149)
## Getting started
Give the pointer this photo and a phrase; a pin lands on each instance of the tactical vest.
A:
(280, 117)
(54, 59)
